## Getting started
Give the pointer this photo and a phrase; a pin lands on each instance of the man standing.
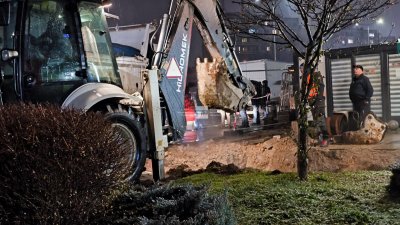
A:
(316, 100)
(360, 92)
(256, 102)
(266, 93)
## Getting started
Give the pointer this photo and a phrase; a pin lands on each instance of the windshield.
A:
(51, 53)
(97, 44)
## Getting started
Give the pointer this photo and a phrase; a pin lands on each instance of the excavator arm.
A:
(220, 81)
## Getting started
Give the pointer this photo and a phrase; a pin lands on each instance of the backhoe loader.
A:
(59, 51)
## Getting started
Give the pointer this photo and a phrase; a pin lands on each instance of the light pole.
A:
(274, 31)
(379, 21)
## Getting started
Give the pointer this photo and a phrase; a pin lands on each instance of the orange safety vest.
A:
(314, 89)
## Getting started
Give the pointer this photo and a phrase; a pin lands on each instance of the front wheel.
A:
(130, 127)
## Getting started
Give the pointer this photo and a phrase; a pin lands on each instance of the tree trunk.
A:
(302, 154)
(302, 148)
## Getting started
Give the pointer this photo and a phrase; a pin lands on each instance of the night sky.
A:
(144, 11)
(137, 11)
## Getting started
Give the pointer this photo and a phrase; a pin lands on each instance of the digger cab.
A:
(51, 47)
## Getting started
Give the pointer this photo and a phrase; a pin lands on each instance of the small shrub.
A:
(394, 185)
(56, 167)
(168, 205)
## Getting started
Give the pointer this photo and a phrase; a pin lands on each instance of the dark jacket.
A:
(360, 89)
(256, 100)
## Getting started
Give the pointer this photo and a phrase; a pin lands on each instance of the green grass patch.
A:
(327, 198)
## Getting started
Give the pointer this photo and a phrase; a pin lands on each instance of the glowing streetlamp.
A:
(106, 4)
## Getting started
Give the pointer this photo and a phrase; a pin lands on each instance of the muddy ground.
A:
(275, 149)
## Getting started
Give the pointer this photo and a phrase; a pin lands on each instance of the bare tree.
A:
(319, 20)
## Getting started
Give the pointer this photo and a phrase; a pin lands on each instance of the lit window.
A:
(268, 49)
(244, 40)
(350, 41)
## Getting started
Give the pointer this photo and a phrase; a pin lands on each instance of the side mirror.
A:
(8, 54)
(5, 13)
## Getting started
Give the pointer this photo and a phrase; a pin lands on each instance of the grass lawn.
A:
(327, 198)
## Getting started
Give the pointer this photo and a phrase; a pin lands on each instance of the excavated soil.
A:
(276, 151)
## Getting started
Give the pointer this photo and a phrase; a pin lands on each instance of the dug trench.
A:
(275, 150)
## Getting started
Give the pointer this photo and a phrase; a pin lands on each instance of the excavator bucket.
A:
(372, 132)
(215, 89)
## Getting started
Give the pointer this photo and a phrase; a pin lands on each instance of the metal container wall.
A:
(341, 80)
(394, 78)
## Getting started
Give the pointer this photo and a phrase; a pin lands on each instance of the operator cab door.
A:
(8, 11)
(51, 60)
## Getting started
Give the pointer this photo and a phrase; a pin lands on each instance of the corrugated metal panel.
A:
(254, 70)
(372, 69)
(394, 79)
(254, 75)
(341, 79)
(260, 70)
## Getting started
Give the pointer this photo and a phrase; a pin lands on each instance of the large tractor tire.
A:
(130, 128)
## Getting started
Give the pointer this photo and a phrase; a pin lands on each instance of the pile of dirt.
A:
(273, 154)
(278, 153)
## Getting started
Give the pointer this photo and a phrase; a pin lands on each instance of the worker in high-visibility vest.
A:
(316, 101)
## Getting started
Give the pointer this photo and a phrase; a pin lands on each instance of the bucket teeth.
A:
(372, 132)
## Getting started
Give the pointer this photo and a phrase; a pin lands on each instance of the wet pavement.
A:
(390, 141)
(225, 132)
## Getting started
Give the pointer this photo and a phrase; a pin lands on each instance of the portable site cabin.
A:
(381, 65)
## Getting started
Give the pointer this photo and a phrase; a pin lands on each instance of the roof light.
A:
(106, 4)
